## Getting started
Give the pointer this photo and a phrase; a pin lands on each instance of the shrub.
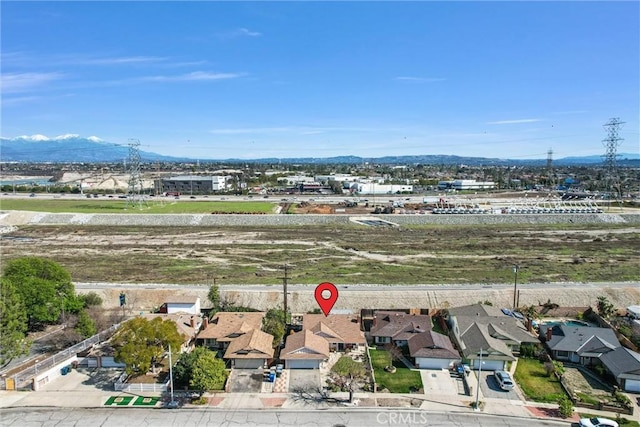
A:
(565, 405)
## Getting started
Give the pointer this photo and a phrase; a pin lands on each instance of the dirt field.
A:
(346, 254)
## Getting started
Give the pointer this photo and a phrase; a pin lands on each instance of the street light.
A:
(476, 407)
(515, 285)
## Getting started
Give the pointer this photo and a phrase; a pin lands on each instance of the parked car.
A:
(504, 380)
(597, 422)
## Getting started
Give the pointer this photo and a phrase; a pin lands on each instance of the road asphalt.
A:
(72, 391)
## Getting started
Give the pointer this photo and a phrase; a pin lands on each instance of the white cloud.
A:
(122, 60)
(512, 122)
(194, 76)
(24, 82)
(246, 32)
(419, 79)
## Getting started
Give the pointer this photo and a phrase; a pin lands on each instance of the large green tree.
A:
(273, 323)
(141, 343)
(13, 324)
(45, 288)
(208, 372)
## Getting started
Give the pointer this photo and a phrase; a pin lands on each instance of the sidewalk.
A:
(74, 391)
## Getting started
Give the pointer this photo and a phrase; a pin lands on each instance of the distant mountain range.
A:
(77, 149)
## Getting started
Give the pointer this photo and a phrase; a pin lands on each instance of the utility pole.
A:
(612, 179)
(284, 289)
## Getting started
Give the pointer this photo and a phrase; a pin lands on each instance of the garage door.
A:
(302, 364)
(248, 363)
(632, 385)
(489, 365)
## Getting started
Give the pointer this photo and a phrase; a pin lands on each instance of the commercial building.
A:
(193, 184)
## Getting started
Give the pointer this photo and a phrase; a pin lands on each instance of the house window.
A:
(561, 353)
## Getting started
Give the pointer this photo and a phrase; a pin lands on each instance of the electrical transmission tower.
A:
(550, 180)
(134, 198)
(611, 142)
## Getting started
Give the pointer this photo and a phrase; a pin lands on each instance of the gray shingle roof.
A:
(433, 345)
(622, 362)
(574, 338)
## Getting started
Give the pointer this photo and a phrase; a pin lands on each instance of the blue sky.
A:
(267, 79)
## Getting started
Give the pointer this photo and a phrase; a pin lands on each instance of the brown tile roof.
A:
(182, 321)
(225, 325)
(253, 345)
(335, 328)
(433, 345)
(398, 325)
(305, 345)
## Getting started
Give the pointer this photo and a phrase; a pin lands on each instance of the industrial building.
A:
(193, 184)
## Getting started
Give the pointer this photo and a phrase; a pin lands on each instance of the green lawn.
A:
(535, 383)
(152, 206)
(402, 381)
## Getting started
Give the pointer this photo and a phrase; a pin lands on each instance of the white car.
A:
(597, 422)
(504, 380)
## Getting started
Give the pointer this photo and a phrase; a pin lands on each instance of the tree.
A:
(208, 372)
(44, 286)
(273, 323)
(13, 324)
(141, 344)
(214, 296)
(605, 308)
(86, 326)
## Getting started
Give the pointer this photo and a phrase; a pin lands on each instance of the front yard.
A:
(535, 383)
(403, 380)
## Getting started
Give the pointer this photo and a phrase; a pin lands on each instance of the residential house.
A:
(341, 331)
(227, 326)
(251, 350)
(188, 326)
(394, 327)
(578, 344)
(624, 366)
(305, 350)
(432, 350)
(181, 304)
(481, 333)
(590, 346)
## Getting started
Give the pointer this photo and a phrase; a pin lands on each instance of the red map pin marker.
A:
(326, 304)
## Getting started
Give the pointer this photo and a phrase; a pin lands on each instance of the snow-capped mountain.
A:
(68, 148)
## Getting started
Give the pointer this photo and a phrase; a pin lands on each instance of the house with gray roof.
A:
(480, 332)
(578, 344)
(431, 350)
(395, 327)
(624, 365)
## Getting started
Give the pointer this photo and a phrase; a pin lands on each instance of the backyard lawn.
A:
(535, 383)
(404, 380)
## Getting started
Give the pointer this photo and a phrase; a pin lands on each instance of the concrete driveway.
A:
(84, 379)
(490, 388)
(246, 381)
(304, 378)
(441, 383)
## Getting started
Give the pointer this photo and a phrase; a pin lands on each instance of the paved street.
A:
(352, 417)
